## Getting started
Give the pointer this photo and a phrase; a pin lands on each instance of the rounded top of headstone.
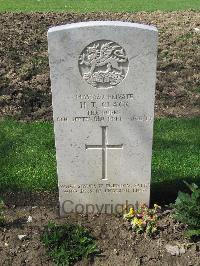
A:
(103, 23)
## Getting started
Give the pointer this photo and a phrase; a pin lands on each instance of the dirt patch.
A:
(24, 70)
(119, 245)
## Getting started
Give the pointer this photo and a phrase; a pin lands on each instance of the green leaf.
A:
(68, 243)
(187, 209)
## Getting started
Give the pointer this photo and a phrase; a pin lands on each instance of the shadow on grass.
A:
(175, 158)
(166, 192)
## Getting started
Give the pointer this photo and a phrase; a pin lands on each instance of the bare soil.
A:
(119, 245)
(24, 71)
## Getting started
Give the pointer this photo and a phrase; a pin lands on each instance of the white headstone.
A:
(103, 86)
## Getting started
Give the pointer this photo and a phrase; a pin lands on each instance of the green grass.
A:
(68, 243)
(27, 156)
(28, 162)
(176, 149)
(176, 157)
(96, 5)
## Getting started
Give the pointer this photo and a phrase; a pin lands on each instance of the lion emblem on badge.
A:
(103, 64)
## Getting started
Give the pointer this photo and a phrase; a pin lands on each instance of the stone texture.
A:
(103, 84)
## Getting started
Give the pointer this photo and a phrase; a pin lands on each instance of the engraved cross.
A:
(104, 147)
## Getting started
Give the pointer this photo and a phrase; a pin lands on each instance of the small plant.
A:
(68, 243)
(187, 210)
(2, 218)
(143, 219)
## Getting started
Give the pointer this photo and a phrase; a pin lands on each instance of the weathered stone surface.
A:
(103, 83)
